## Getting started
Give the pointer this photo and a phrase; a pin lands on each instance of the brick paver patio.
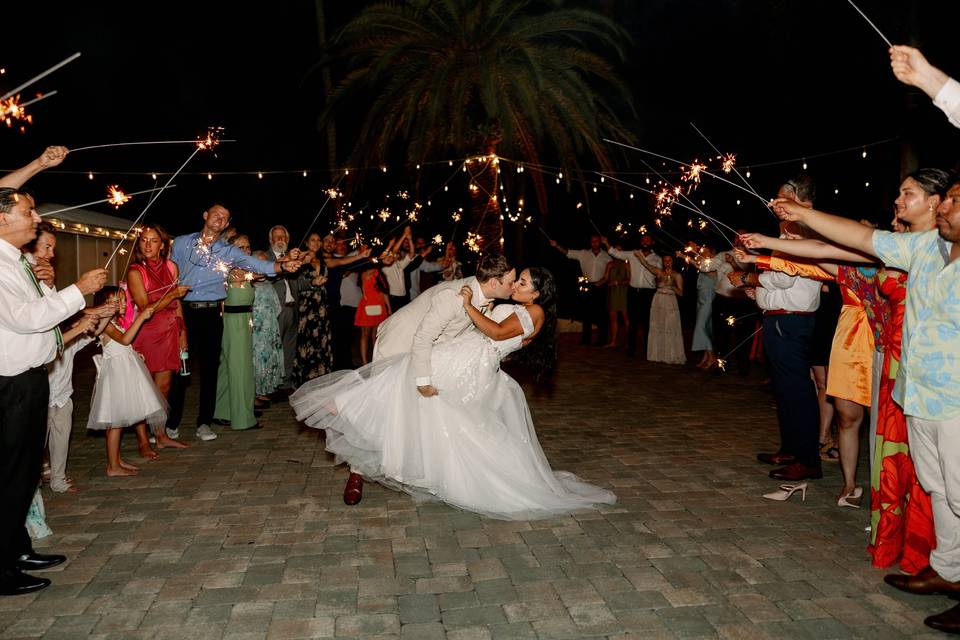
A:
(246, 537)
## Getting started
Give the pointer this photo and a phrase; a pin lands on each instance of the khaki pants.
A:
(935, 448)
(59, 426)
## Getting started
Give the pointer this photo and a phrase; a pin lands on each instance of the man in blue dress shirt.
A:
(205, 260)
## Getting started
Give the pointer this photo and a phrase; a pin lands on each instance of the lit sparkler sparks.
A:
(728, 161)
(332, 192)
(11, 110)
(222, 267)
(248, 276)
(731, 320)
(116, 196)
(692, 172)
(721, 364)
(583, 283)
(438, 239)
(473, 241)
(211, 140)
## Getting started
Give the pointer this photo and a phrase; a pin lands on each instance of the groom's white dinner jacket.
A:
(436, 315)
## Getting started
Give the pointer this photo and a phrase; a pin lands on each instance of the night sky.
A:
(766, 79)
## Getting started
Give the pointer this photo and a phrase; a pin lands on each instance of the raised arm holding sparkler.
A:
(51, 157)
(911, 68)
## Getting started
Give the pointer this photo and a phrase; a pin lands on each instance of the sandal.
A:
(829, 452)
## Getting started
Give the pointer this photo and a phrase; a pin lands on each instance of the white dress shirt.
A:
(948, 99)
(288, 296)
(27, 320)
(640, 276)
(60, 372)
(779, 291)
(723, 286)
(394, 275)
(592, 266)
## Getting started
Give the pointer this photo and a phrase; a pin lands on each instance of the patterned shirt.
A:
(929, 376)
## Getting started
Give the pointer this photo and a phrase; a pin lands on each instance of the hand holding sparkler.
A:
(789, 210)
(743, 257)
(52, 156)
(752, 241)
(92, 281)
(911, 68)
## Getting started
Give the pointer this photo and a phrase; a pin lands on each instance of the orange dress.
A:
(901, 515)
(850, 375)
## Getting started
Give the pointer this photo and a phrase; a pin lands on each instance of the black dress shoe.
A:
(222, 423)
(39, 561)
(775, 458)
(797, 471)
(14, 582)
(257, 413)
(948, 621)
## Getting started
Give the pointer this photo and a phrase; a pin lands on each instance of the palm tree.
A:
(482, 78)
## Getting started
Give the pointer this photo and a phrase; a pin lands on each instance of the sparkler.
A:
(317, 217)
(112, 199)
(728, 160)
(11, 109)
(152, 200)
(692, 174)
(870, 22)
(196, 141)
(211, 140)
(40, 76)
(116, 196)
(722, 362)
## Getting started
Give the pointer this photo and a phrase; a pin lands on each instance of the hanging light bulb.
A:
(90, 175)
(153, 175)
(260, 174)
(864, 154)
(304, 174)
(209, 176)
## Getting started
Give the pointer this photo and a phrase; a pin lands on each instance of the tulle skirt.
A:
(473, 446)
(125, 394)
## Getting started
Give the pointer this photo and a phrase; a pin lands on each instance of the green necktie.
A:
(36, 283)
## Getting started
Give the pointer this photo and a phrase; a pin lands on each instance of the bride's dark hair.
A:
(540, 356)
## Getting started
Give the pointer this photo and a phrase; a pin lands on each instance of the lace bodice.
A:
(503, 311)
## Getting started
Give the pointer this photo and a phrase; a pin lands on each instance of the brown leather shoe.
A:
(776, 459)
(353, 490)
(948, 621)
(926, 583)
(797, 471)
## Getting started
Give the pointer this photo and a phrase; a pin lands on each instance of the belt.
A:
(784, 312)
(289, 304)
(203, 304)
(238, 308)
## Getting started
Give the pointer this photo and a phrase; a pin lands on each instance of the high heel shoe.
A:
(852, 499)
(786, 491)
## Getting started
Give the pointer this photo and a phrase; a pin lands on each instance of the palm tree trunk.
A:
(487, 220)
(327, 85)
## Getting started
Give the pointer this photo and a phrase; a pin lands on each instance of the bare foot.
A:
(163, 442)
(147, 453)
(120, 471)
(128, 466)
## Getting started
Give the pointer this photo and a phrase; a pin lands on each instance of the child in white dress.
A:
(124, 393)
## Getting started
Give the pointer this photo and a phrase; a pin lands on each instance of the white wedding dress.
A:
(472, 446)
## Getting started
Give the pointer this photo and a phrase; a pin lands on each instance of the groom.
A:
(437, 315)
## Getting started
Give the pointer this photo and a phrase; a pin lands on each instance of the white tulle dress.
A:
(124, 393)
(472, 446)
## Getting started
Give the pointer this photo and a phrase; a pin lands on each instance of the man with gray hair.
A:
(287, 290)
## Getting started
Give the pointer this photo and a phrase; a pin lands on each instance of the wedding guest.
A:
(452, 267)
(733, 314)
(235, 387)
(394, 260)
(706, 291)
(665, 342)
(315, 329)
(202, 258)
(267, 347)
(373, 309)
(285, 285)
(788, 304)
(617, 280)
(421, 270)
(643, 284)
(593, 264)
(152, 280)
(349, 294)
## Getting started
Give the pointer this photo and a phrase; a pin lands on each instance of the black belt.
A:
(238, 308)
(289, 304)
(203, 304)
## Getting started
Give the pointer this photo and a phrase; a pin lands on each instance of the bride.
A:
(473, 445)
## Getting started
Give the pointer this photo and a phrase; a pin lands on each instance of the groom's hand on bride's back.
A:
(428, 390)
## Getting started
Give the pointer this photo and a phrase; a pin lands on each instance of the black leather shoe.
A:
(948, 621)
(257, 413)
(38, 561)
(14, 582)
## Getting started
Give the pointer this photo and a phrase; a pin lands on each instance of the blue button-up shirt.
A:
(929, 374)
(205, 272)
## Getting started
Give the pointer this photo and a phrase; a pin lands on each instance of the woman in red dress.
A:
(152, 280)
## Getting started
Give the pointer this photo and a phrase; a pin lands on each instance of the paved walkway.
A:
(246, 537)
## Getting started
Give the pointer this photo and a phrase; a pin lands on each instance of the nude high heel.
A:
(852, 499)
(786, 491)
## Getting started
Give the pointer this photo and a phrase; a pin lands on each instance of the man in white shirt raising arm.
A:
(30, 313)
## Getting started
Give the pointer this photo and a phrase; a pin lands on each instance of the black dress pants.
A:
(638, 310)
(23, 428)
(786, 342)
(204, 337)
